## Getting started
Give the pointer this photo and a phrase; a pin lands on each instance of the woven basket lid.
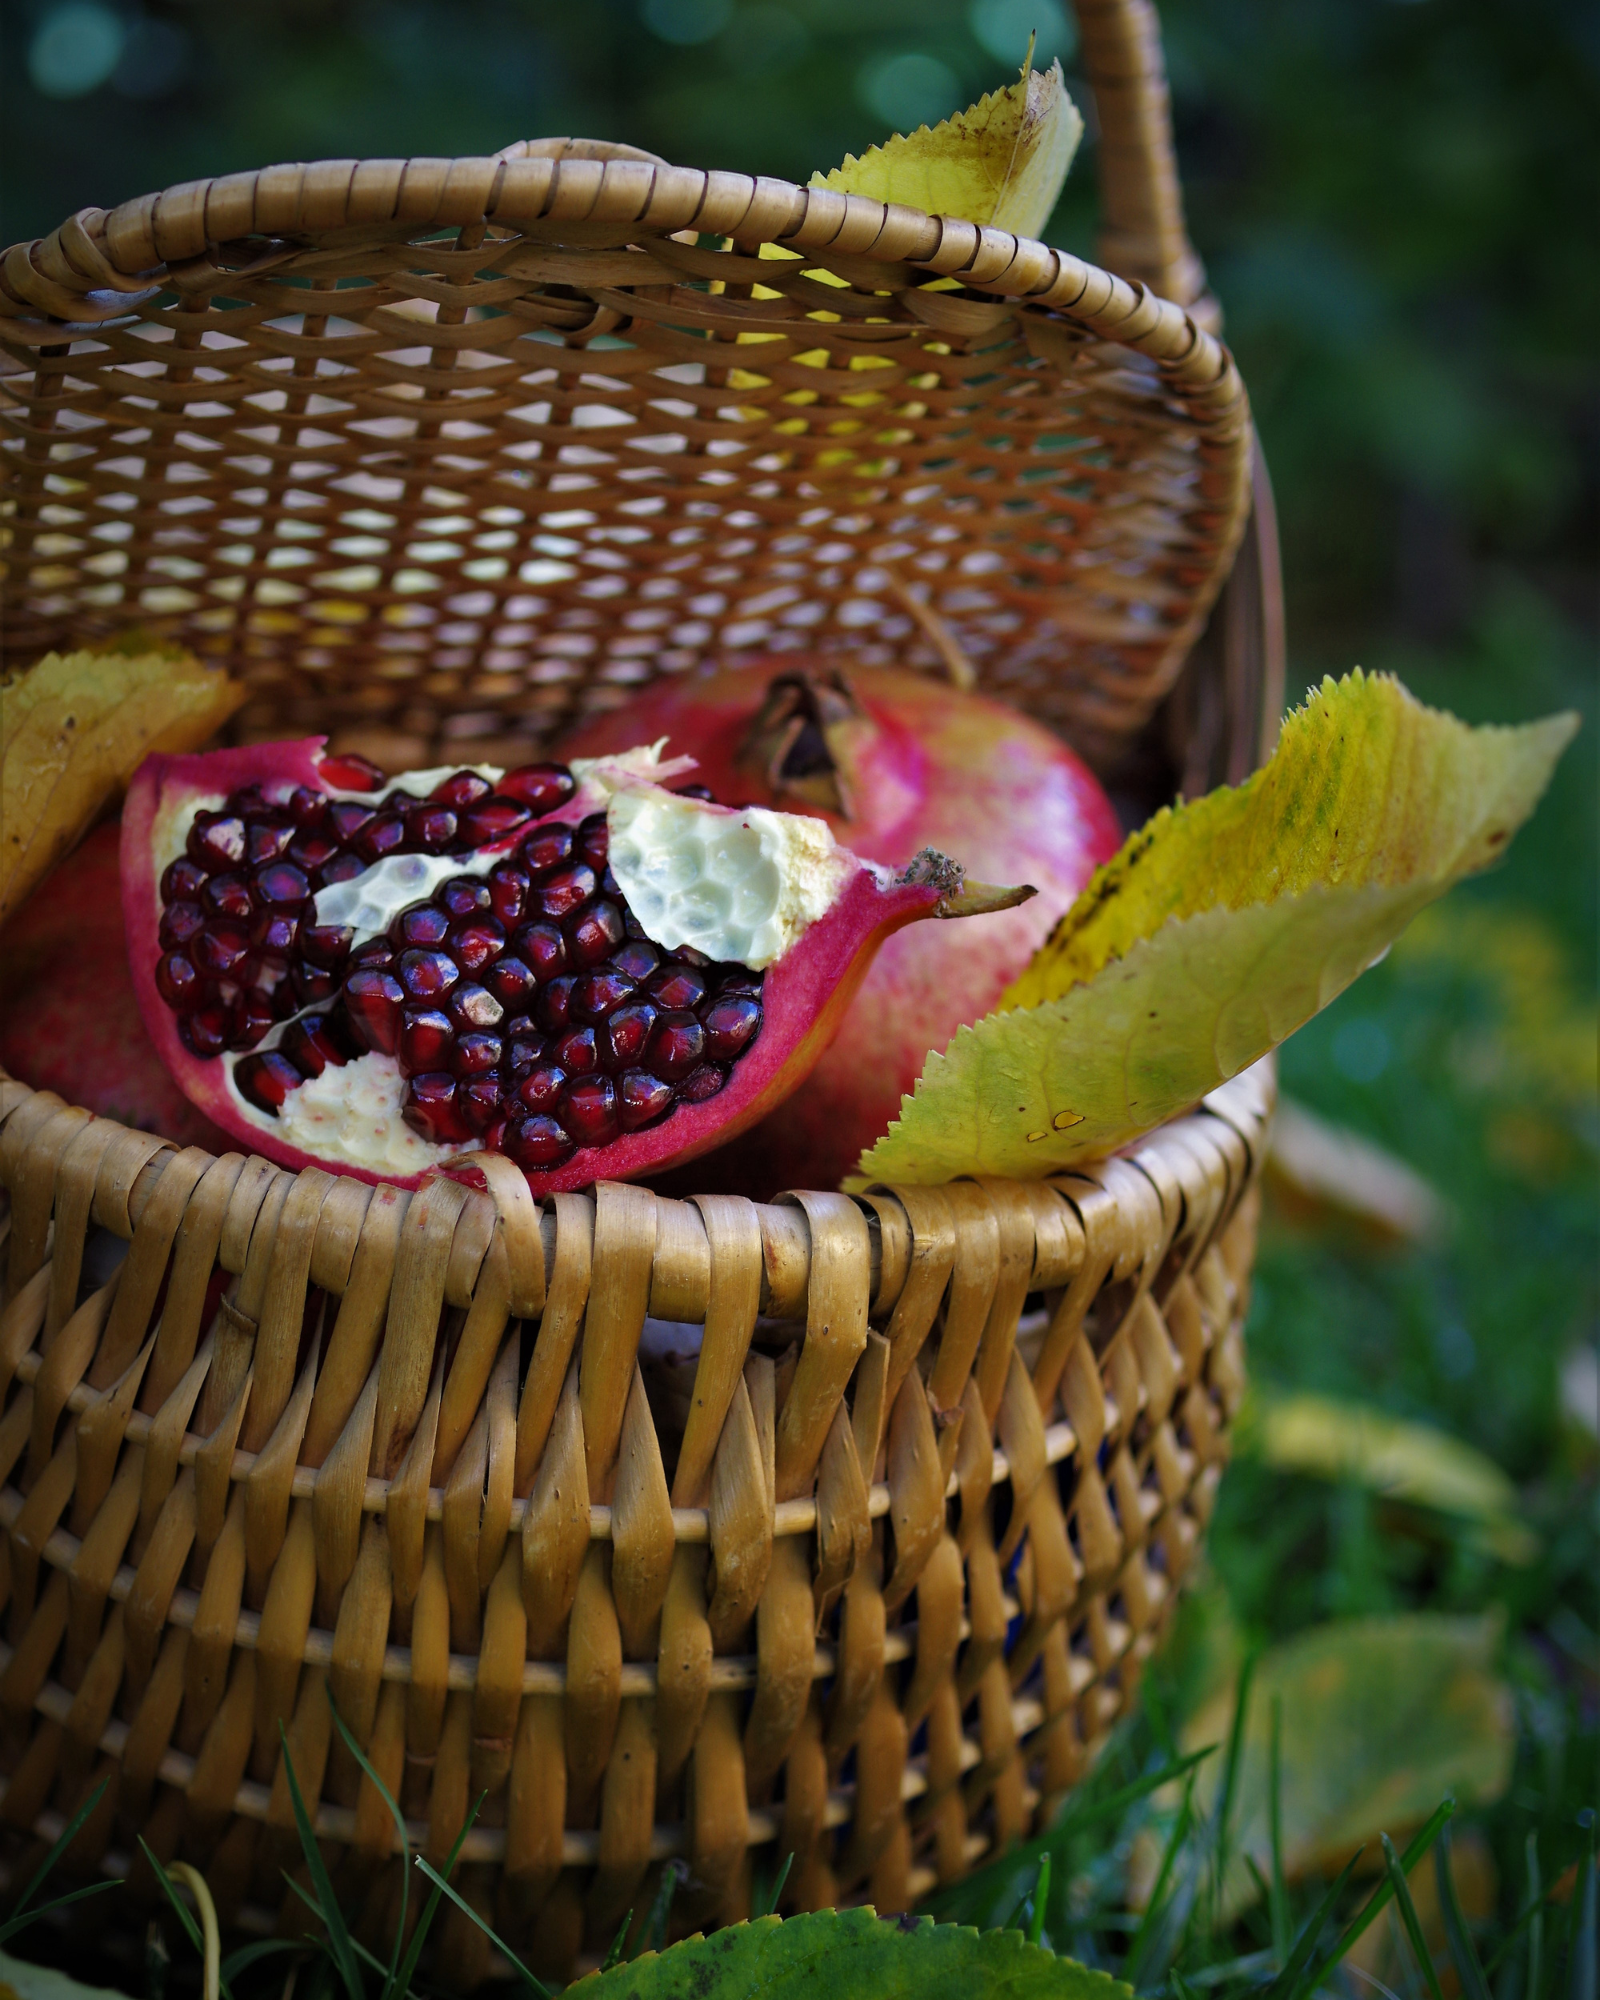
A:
(441, 455)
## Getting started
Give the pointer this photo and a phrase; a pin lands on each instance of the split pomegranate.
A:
(569, 963)
(893, 761)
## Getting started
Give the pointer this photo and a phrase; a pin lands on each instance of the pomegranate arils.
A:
(677, 1044)
(536, 1142)
(464, 789)
(266, 1080)
(641, 1098)
(427, 974)
(731, 1024)
(425, 1038)
(525, 1005)
(374, 1000)
(563, 892)
(179, 923)
(589, 1116)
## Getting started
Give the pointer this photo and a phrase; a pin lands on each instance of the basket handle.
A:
(1142, 231)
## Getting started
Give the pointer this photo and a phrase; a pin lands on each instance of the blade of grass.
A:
(1278, 1899)
(1378, 1901)
(327, 1904)
(1582, 1952)
(195, 1935)
(1041, 1893)
(248, 1954)
(1134, 1960)
(1235, 1968)
(614, 1955)
(390, 1991)
(441, 1887)
(1230, 1782)
(1469, 1968)
(58, 1903)
(673, 1877)
(1536, 1922)
(69, 1834)
(1292, 1981)
(766, 1905)
(1409, 1917)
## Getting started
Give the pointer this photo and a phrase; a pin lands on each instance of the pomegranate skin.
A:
(69, 1016)
(804, 993)
(922, 764)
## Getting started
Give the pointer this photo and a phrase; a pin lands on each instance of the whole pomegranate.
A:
(894, 761)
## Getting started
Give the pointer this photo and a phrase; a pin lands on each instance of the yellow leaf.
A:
(1001, 162)
(74, 728)
(1219, 929)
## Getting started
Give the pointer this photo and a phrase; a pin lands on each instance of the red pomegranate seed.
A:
(541, 1088)
(463, 896)
(346, 819)
(563, 892)
(427, 974)
(576, 1051)
(540, 787)
(677, 1044)
(465, 788)
(544, 950)
(595, 934)
(476, 1053)
(312, 1044)
(597, 994)
(524, 1046)
(327, 945)
(351, 773)
(432, 828)
(477, 944)
(555, 1004)
(702, 1083)
(731, 1024)
(274, 934)
(548, 847)
(217, 840)
(589, 1116)
(312, 984)
(536, 1142)
(266, 1080)
(226, 896)
(266, 839)
(312, 849)
(306, 807)
(250, 1019)
(182, 880)
(342, 868)
(204, 1033)
(221, 948)
(492, 821)
(179, 923)
(281, 884)
(178, 982)
(375, 952)
(425, 1039)
(474, 1006)
(678, 986)
(432, 1111)
(641, 1099)
(374, 1000)
(637, 958)
(421, 925)
(381, 836)
(594, 841)
(511, 982)
(481, 1102)
(624, 1036)
(508, 893)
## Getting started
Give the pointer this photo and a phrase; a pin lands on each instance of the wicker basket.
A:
(864, 1570)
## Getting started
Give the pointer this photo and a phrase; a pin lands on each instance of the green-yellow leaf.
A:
(1219, 929)
(1381, 1717)
(1417, 1463)
(1001, 162)
(853, 1955)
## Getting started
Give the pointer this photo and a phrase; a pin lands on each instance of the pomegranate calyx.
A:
(981, 899)
(804, 740)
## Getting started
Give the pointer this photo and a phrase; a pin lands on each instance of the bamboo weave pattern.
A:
(866, 1577)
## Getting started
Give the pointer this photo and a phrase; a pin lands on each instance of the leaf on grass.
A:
(854, 1955)
(20, 1980)
(1330, 1439)
(74, 728)
(1000, 163)
(1381, 1718)
(1320, 1172)
(1219, 929)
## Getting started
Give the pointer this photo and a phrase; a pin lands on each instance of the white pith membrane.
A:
(741, 886)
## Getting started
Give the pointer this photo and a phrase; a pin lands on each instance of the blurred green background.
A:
(1396, 203)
